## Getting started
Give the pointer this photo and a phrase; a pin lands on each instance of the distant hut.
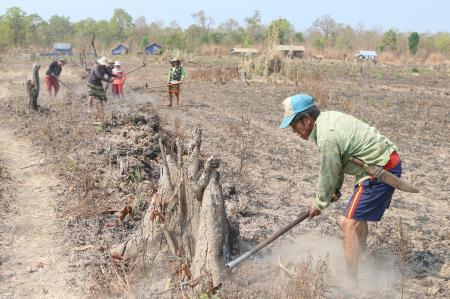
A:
(243, 51)
(153, 49)
(121, 49)
(366, 55)
(62, 49)
(291, 51)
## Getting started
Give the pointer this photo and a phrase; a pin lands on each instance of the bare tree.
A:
(204, 21)
(327, 26)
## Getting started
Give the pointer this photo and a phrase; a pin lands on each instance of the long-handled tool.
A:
(65, 85)
(133, 70)
(159, 86)
(263, 244)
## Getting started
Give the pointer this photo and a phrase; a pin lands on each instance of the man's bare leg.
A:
(90, 104)
(100, 107)
(354, 235)
(170, 99)
(178, 98)
(363, 237)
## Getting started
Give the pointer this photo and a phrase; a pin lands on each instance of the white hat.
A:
(103, 61)
(117, 62)
(174, 59)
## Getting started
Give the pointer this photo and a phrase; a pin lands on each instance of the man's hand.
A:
(336, 195)
(313, 212)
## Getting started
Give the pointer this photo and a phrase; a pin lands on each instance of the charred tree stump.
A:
(32, 87)
(186, 217)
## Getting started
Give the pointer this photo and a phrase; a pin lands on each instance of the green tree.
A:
(442, 42)
(140, 31)
(413, 43)
(228, 26)
(144, 41)
(319, 43)
(84, 30)
(34, 23)
(231, 33)
(254, 28)
(3, 34)
(298, 37)
(326, 26)
(15, 26)
(60, 28)
(389, 41)
(194, 37)
(204, 22)
(282, 29)
(105, 35)
(121, 25)
(175, 39)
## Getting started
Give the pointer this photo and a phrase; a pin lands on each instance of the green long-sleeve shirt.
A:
(338, 137)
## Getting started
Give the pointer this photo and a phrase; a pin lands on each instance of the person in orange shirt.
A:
(118, 81)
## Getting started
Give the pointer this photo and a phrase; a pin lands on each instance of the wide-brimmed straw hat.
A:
(103, 61)
(175, 59)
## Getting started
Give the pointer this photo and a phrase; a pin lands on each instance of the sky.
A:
(403, 15)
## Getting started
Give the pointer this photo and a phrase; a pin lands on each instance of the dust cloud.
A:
(374, 273)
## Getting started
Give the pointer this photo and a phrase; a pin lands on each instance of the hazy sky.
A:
(413, 15)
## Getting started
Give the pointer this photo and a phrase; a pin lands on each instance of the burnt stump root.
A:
(186, 216)
(32, 87)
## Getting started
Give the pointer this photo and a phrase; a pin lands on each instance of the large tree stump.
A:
(186, 216)
(33, 88)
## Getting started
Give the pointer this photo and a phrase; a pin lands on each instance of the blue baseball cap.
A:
(294, 105)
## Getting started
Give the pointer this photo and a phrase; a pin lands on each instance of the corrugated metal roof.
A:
(366, 53)
(289, 48)
(153, 44)
(121, 46)
(243, 50)
(62, 46)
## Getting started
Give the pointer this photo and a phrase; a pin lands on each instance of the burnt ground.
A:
(272, 171)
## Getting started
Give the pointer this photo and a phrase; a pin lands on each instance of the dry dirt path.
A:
(34, 261)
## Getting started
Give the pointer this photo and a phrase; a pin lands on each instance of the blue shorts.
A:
(371, 198)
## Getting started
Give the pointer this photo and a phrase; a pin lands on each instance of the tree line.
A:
(19, 29)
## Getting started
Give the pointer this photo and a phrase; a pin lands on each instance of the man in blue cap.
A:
(339, 137)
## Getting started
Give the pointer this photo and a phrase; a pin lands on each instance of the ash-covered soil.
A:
(268, 173)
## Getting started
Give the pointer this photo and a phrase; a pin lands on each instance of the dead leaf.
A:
(127, 210)
(116, 256)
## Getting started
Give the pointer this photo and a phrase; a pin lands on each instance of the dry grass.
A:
(167, 55)
(113, 279)
(219, 75)
(387, 57)
(435, 58)
(309, 280)
(212, 50)
(402, 249)
(3, 172)
(316, 85)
